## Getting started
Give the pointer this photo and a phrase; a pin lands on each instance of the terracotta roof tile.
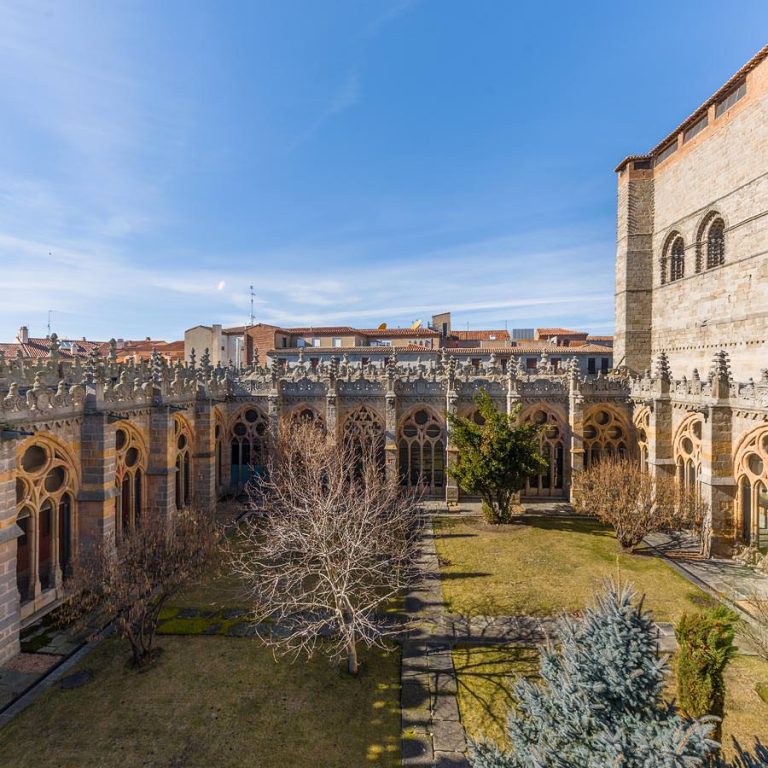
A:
(480, 335)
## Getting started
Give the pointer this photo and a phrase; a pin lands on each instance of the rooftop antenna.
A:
(251, 323)
(50, 312)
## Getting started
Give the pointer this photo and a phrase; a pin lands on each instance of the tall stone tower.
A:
(634, 268)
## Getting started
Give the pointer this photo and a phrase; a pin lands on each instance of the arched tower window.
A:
(247, 446)
(552, 446)
(716, 244)
(677, 260)
(421, 450)
(605, 435)
(130, 467)
(46, 486)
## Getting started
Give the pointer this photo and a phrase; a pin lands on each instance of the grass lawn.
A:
(545, 566)
(213, 701)
(485, 676)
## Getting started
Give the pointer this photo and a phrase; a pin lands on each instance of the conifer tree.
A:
(599, 701)
(495, 457)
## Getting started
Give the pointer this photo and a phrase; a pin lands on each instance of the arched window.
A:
(752, 497)
(183, 438)
(46, 484)
(247, 446)
(605, 435)
(130, 464)
(305, 413)
(677, 260)
(716, 243)
(552, 445)
(364, 431)
(687, 453)
(421, 450)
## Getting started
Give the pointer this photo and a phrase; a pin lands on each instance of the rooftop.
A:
(701, 110)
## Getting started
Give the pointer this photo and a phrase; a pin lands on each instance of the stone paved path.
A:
(726, 579)
(433, 735)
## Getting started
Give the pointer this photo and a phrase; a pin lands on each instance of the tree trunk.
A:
(353, 667)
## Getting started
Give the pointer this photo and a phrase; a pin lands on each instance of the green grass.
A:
(213, 701)
(546, 566)
(485, 675)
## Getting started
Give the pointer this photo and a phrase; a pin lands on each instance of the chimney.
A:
(23, 336)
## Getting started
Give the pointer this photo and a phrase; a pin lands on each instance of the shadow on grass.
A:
(755, 758)
(486, 676)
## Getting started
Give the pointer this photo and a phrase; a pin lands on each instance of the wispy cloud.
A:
(344, 97)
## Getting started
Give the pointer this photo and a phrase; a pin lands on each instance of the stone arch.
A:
(606, 433)
(554, 429)
(306, 411)
(710, 241)
(421, 448)
(665, 260)
(363, 429)
(131, 455)
(751, 472)
(47, 482)
(686, 450)
(183, 436)
(247, 436)
(641, 420)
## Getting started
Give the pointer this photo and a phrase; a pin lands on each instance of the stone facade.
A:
(692, 304)
(716, 298)
(86, 450)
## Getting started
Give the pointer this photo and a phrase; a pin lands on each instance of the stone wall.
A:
(722, 169)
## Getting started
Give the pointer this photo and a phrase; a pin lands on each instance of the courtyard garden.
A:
(213, 697)
(547, 566)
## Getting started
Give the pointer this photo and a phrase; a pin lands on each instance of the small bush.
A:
(705, 647)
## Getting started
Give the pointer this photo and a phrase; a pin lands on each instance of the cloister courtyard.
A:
(217, 696)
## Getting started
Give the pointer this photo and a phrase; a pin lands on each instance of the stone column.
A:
(273, 412)
(10, 609)
(576, 432)
(96, 499)
(451, 452)
(718, 487)
(661, 461)
(161, 468)
(204, 455)
(332, 413)
(390, 434)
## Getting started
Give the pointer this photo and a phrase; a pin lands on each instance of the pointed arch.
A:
(751, 472)
(552, 437)
(247, 436)
(606, 433)
(131, 456)
(47, 482)
(421, 447)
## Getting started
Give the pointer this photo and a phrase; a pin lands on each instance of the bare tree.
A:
(329, 546)
(620, 493)
(130, 583)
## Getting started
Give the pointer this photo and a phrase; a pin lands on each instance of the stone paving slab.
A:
(431, 723)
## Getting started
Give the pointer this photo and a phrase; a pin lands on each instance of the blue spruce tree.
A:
(599, 701)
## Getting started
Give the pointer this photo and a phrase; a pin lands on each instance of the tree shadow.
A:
(756, 758)
(486, 675)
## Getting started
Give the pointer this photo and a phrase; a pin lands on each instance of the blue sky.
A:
(357, 162)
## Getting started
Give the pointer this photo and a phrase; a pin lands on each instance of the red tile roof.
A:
(480, 335)
(559, 332)
(398, 332)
